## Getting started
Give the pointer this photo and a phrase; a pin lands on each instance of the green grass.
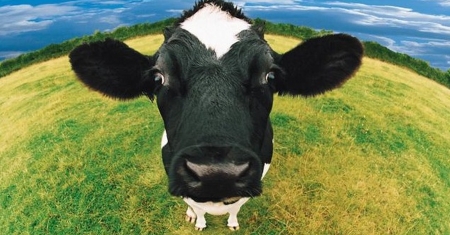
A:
(370, 158)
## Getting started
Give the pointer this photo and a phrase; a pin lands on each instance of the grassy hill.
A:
(370, 158)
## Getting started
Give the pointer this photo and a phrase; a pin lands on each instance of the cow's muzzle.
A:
(215, 173)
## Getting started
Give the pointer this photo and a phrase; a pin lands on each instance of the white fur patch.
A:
(199, 209)
(215, 28)
(215, 208)
(265, 169)
(164, 139)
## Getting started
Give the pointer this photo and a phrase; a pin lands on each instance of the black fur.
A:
(233, 105)
(112, 68)
(320, 64)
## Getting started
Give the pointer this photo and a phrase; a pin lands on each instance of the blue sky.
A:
(420, 28)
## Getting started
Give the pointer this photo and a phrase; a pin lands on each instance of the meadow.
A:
(369, 158)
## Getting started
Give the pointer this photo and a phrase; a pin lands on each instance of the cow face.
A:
(214, 78)
(215, 110)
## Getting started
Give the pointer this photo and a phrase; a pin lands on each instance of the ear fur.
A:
(320, 64)
(112, 68)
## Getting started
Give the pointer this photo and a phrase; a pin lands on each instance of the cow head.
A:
(214, 78)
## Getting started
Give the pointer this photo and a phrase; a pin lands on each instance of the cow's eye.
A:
(159, 78)
(270, 76)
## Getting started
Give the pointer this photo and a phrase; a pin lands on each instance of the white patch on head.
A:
(164, 139)
(215, 28)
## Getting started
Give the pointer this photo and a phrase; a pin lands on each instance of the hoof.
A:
(189, 219)
(234, 228)
(199, 229)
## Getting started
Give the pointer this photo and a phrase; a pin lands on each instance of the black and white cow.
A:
(214, 78)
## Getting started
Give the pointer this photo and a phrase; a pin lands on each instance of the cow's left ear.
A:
(319, 64)
(113, 68)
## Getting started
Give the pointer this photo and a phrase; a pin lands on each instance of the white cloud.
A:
(25, 18)
(10, 54)
(390, 43)
(284, 7)
(427, 44)
(111, 19)
(16, 19)
(370, 15)
(385, 8)
(412, 44)
(282, 2)
(397, 17)
(416, 48)
(149, 15)
(383, 40)
(112, 2)
(174, 11)
(444, 3)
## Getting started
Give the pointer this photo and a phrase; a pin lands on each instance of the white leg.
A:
(190, 215)
(200, 224)
(233, 223)
(196, 212)
(196, 215)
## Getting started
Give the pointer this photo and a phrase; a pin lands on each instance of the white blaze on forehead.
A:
(215, 28)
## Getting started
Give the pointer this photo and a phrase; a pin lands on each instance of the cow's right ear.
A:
(319, 65)
(113, 68)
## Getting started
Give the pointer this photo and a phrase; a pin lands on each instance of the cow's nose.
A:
(213, 173)
(217, 173)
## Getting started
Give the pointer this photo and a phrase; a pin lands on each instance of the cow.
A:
(214, 78)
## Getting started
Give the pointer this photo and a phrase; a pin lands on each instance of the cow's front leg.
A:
(190, 215)
(198, 216)
(233, 223)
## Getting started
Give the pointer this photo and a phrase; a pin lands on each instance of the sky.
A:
(420, 28)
